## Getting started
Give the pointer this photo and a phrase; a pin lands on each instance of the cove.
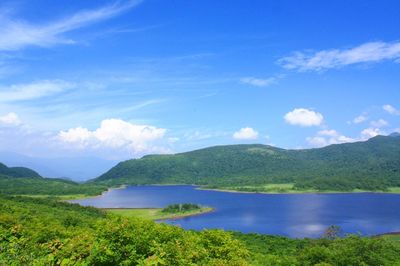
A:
(292, 215)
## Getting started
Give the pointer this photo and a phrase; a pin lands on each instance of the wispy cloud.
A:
(21, 92)
(258, 82)
(370, 52)
(391, 109)
(10, 119)
(17, 34)
(359, 119)
(379, 123)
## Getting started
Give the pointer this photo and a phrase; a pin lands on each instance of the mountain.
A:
(395, 134)
(18, 172)
(74, 168)
(24, 181)
(372, 164)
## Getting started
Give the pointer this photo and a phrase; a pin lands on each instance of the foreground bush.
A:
(40, 232)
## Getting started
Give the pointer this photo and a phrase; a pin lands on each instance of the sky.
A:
(121, 79)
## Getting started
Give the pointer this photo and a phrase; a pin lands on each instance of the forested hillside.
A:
(24, 181)
(371, 165)
(17, 172)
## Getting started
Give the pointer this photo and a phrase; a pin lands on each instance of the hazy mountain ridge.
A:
(376, 159)
(74, 168)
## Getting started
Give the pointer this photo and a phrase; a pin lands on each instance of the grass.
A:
(289, 188)
(155, 213)
(60, 197)
(392, 237)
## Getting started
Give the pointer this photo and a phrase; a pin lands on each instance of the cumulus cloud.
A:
(391, 110)
(10, 119)
(246, 133)
(115, 134)
(17, 34)
(258, 82)
(304, 117)
(328, 137)
(34, 90)
(379, 123)
(325, 59)
(371, 132)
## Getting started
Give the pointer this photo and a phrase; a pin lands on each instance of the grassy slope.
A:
(156, 213)
(371, 165)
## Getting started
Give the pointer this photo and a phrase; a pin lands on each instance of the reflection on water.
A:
(295, 215)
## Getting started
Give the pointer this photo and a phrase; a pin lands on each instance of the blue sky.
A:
(120, 79)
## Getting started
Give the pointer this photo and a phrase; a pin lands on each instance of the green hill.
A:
(370, 165)
(18, 172)
(24, 181)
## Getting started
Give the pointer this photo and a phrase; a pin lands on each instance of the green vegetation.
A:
(350, 250)
(38, 231)
(158, 213)
(373, 165)
(47, 187)
(17, 172)
(181, 208)
(24, 181)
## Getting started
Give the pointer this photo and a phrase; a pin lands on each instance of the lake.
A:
(293, 215)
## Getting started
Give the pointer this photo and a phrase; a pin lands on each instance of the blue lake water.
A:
(294, 215)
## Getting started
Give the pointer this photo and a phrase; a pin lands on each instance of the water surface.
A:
(294, 215)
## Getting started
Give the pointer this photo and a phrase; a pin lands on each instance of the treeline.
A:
(48, 232)
(182, 207)
(343, 184)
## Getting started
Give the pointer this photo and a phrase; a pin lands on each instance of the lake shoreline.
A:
(293, 192)
(200, 187)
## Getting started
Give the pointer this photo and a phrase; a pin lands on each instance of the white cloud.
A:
(390, 109)
(328, 137)
(359, 119)
(17, 34)
(10, 119)
(335, 58)
(379, 123)
(371, 132)
(246, 133)
(19, 92)
(258, 82)
(317, 141)
(115, 134)
(304, 117)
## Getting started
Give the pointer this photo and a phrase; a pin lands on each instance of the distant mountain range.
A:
(73, 168)
(372, 164)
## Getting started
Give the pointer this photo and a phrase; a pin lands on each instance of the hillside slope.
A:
(375, 162)
(18, 172)
(24, 181)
